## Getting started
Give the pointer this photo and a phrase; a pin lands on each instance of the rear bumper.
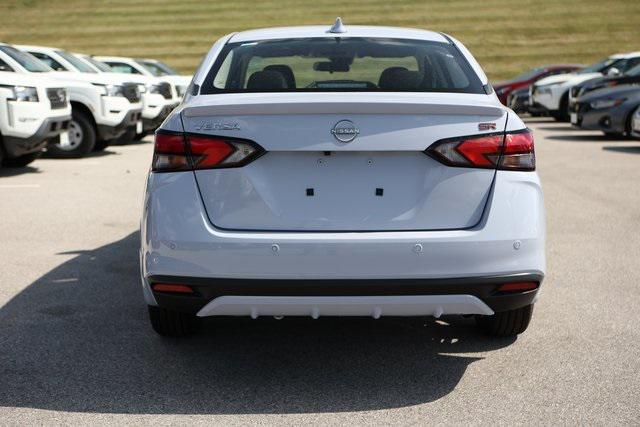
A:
(606, 120)
(178, 241)
(251, 297)
(108, 132)
(50, 127)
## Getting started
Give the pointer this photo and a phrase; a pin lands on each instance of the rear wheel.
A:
(82, 138)
(562, 115)
(506, 323)
(170, 323)
(22, 161)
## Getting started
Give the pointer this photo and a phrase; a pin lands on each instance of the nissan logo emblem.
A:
(345, 131)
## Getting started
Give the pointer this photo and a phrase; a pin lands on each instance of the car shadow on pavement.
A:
(623, 149)
(587, 137)
(11, 171)
(78, 339)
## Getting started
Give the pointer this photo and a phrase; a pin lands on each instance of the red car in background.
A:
(503, 89)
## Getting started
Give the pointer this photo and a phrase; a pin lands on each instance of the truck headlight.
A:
(110, 90)
(543, 90)
(25, 94)
(606, 103)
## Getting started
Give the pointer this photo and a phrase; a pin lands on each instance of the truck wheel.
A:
(506, 323)
(21, 161)
(82, 138)
(170, 323)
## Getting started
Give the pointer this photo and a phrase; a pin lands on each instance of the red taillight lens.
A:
(176, 152)
(169, 153)
(510, 151)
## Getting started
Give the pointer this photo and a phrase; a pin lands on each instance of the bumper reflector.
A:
(518, 287)
(170, 287)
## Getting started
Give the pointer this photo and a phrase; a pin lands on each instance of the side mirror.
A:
(613, 72)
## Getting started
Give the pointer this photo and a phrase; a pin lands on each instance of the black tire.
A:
(614, 135)
(506, 323)
(140, 136)
(629, 123)
(127, 138)
(562, 115)
(86, 141)
(22, 161)
(101, 145)
(170, 323)
(1, 150)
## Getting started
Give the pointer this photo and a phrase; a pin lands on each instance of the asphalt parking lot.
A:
(76, 346)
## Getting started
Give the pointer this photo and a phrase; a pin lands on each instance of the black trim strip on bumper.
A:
(484, 287)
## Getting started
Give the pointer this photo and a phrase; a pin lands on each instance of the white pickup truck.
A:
(32, 110)
(155, 107)
(101, 111)
(152, 68)
(157, 100)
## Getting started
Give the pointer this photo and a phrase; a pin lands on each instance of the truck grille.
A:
(165, 90)
(57, 98)
(131, 92)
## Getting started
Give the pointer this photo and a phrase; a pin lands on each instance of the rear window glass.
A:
(341, 64)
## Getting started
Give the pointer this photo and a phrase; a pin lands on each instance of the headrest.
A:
(399, 78)
(266, 80)
(286, 72)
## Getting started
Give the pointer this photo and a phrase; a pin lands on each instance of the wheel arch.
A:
(79, 106)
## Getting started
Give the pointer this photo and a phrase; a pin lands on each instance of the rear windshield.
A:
(341, 64)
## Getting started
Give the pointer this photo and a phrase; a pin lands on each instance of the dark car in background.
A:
(609, 110)
(630, 77)
(518, 101)
(503, 89)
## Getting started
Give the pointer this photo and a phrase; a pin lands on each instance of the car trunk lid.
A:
(344, 162)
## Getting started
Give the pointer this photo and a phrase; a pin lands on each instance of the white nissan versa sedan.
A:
(343, 171)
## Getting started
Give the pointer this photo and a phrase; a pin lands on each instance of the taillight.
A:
(510, 151)
(179, 152)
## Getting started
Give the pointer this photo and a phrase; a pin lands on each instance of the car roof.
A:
(112, 58)
(314, 31)
(34, 47)
(626, 55)
(563, 66)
